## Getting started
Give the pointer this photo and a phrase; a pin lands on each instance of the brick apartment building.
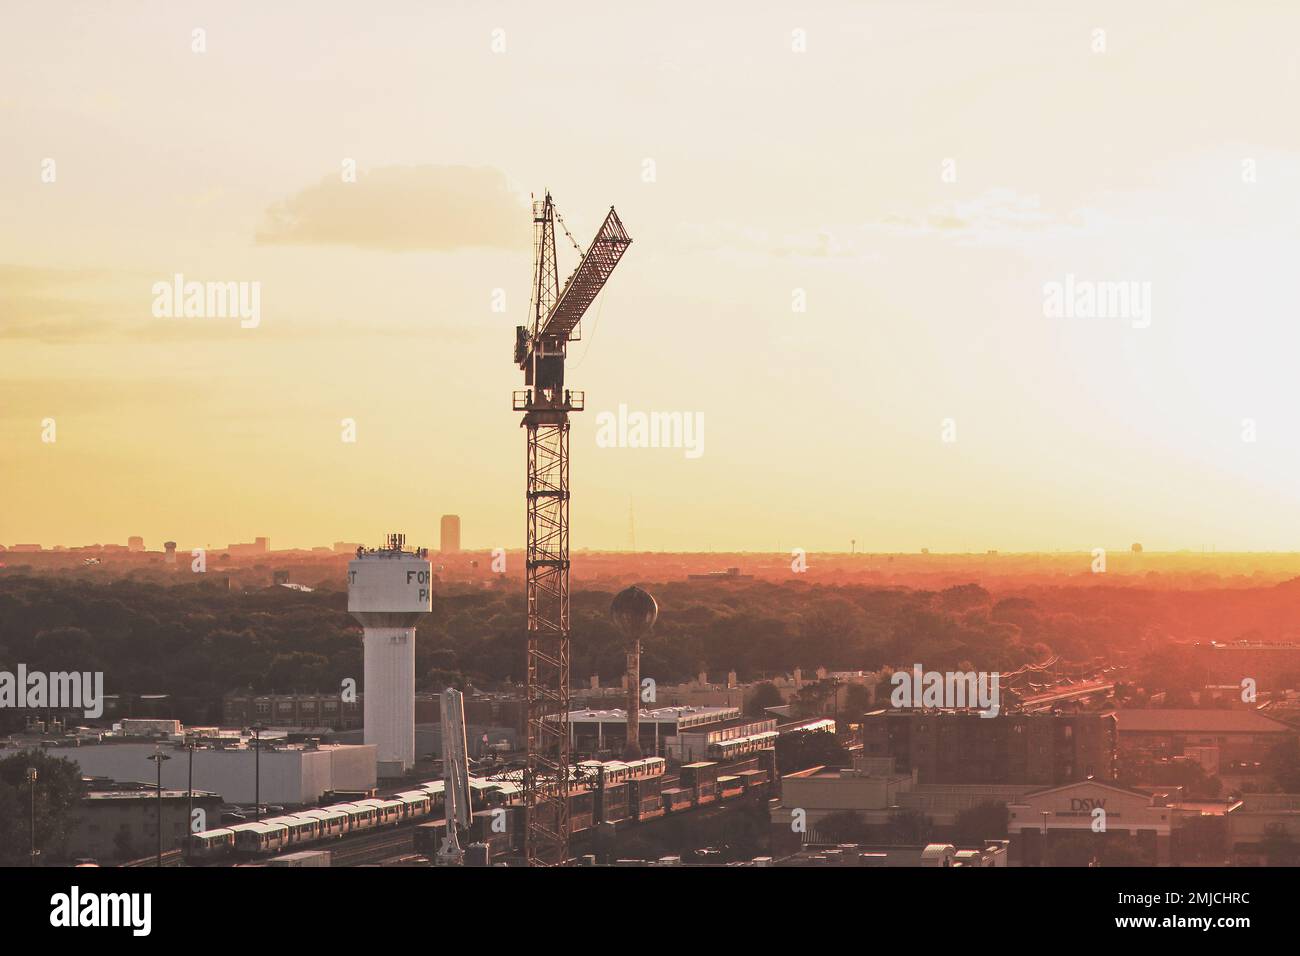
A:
(948, 746)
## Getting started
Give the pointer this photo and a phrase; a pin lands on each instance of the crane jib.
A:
(589, 278)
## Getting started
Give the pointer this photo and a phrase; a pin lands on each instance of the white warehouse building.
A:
(291, 775)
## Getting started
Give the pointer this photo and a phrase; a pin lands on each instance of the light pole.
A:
(189, 818)
(257, 769)
(31, 780)
(1043, 858)
(158, 757)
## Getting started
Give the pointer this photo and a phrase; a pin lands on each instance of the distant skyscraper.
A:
(170, 548)
(450, 537)
(135, 543)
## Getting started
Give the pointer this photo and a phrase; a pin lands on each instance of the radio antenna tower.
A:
(540, 351)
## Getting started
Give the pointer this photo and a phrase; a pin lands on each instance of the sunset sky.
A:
(774, 171)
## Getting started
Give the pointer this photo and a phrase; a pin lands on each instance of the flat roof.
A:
(1197, 721)
(660, 715)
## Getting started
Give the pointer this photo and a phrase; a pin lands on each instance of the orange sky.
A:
(780, 176)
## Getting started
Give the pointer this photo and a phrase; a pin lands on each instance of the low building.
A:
(599, 731)
(876, 794)
(113, 823)
(1243, 738)
(290, 774)
(1081, 823)
(1265, 830)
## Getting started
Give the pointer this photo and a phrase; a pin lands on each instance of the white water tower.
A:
(389, 590)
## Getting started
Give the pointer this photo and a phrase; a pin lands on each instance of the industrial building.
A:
(290, 774)
(960, 746)
(681, 733)
(120, 822)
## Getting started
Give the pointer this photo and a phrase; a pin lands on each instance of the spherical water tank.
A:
(634, 610)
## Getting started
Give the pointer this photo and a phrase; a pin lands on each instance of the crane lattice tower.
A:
(540, 352)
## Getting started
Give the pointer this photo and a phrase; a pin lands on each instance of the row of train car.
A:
(620, 794)
(697, 784)
(323, 824)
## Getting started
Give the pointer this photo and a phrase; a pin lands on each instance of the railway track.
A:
(373, 848)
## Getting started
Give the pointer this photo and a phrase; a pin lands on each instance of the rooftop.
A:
(1197, 721)
(661, 715)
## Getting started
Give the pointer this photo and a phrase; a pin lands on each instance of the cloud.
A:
(993, 214)
(727, 237)
(403, 208)
(49, 305)
(996, 216)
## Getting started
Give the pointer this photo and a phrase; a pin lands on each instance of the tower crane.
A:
(540, 350)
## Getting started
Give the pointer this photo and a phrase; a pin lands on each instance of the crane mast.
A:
(455, 775)
(540, 351)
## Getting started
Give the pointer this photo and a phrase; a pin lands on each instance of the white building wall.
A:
(288, 777)
(353, 768)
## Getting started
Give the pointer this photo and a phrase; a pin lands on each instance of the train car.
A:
(415, 805)
(300, 829)
(333, 822)
(730, 785)
(436, 789)
(509, 792)
(497, 828)
(485, 793)
(676, 798)
(614, 803)
(753, 780)
(701, 778)
(582, 810)
(386, 812)
(359, 817)
(213, 844)
(644, 798)
(389, 812)
(260, 838)
(429, 837)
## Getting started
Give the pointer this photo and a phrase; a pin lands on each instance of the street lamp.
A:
(189, 819)
(1044, 850)
(257, 768)
(31, 780)
(158, 757)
